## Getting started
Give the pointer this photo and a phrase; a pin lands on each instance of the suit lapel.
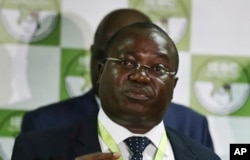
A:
(87, 138)
(181, 149)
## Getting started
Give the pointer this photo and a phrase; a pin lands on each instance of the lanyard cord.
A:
(109, 141)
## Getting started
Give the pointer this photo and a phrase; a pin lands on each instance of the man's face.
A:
(133, 97)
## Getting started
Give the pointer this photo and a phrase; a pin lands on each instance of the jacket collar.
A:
(87, 138)
(182, 151)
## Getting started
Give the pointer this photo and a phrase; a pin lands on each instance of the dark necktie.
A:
(137, 146)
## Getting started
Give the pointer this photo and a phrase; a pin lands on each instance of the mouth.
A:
(138, 93)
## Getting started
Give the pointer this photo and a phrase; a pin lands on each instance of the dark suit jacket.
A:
(73, 141)
(76, 109)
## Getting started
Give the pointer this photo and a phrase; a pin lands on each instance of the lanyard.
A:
(109, 141)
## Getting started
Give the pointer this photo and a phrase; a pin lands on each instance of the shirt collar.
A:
(154, 134)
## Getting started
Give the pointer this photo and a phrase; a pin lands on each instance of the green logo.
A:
(75, 74)
(29, 20)
(221, 84)
(171, 15)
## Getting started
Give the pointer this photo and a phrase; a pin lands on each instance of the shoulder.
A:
(51, 109)
(62, 143)
(34, 144)
(184, 110)
(68, 104)
(178, 114)
(49, 134)
(60, 114)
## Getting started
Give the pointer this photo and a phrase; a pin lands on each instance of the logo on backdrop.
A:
(76, 76)
(171, 15)
(29, 20)
(221, 85)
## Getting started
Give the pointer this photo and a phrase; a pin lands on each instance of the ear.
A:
(175, 81)
(100, 70)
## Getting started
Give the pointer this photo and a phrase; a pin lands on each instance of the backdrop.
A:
(44, 58)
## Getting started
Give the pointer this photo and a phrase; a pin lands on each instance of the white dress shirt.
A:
(119, 134)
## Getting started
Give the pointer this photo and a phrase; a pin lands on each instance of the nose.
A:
(140, 75)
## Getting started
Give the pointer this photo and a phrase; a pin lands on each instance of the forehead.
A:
(140, 40)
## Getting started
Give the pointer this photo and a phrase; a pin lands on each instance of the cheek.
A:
(109, 88)
(165, 91)
(112, 78)
(112, 74)
(169, 89)
(116, 76)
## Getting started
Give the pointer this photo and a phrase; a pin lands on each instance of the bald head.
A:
(110, 24)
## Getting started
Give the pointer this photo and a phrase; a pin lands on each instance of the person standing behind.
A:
(136, 85)
(73, 110)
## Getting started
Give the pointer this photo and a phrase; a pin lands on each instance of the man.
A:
(136, 84)
(73, 110)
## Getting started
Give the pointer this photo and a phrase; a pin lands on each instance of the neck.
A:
(138, 131)
(137, 128)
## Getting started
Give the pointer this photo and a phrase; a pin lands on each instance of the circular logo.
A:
(221, 85)
(77, 75)
(170, 15)
(29, 20)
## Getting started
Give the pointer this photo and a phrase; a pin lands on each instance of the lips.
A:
(138, 93)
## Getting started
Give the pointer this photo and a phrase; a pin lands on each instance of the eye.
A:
(128, 63)
(159, 69)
